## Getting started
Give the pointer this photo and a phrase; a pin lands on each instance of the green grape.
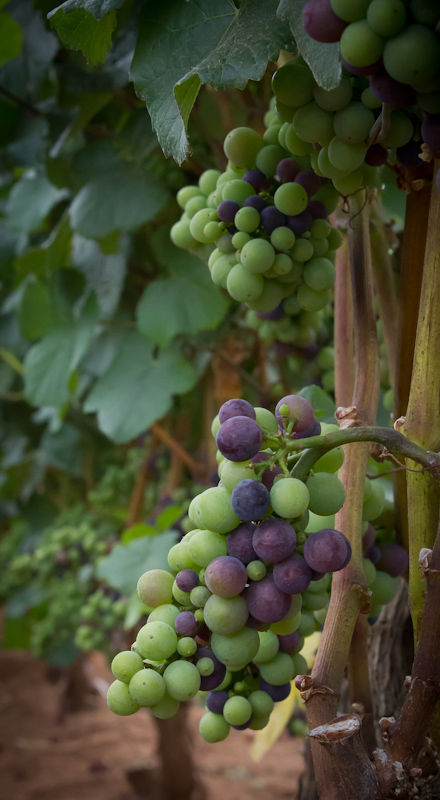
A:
(287, 625)
(300, 666)
(165, 708)
(239, 239)
(307, 624)
(237, 710)
(205, 546)
(186, 647)
(199, 615)
(166, 613)
(237, 190)
(319, 521)
(310, 300)
(313, 124)
(236, 648)
(369, 99)
(215, 425)
(181, 236)
(289, 497)
(256, 570)
(314, 601)
(156, 641)
(331, 461)
(225, 615)
(270, 297)
(302, 250)
(327, 494)
(257, 256)
(350, 10)
(266, 420)
(429, 102)
(333, 99)
(282, 238)
(370, 571)
(213, 727)
(208, 180)
(243, 285)
(319, 274)
(221, 269)
(199, 596)
(242, 145)
(320, 586)
(147, 687)
(194, 205)
(247, 219)
(291, 306)
(346, 157)
(269, 646)
(155, 587)
(360, 45)
(321, 615)
(384, 588)
(270, 136)
(216, 511)
(282, 265)
(293, 84)
(215, 255)
(259, 721)
(187, 193)
(261, 703)
(199, 222)
(425, 12)
(386, 17)
(183, 598)
(268, 159)
(205, 666)
(320, 247)
(400, 131)
(119, 699)
(279, 670)
(213, 230)
(375, 503)
(413, 56)
(235, 471)
(326, 360)
(328, 195)
(295, 144)
(353, 123)
(320, 229)
(182, 680)
(351, 183)
(179, 557)
(327, 168)
(239, 687)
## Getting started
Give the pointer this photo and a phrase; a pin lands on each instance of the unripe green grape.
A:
(235, 471)
(370, 571)
(268, 159)
(289, 497)
(247, 219)
(291, 305)
(215, 255)
(256, 570)
(400, 130)
(179, 557)
(266, 419)
(213, 727)
(194, 205)
(200, 221)
(295, 144)
(147, 687)
(215, 511)
(166, 613)
(270, 136)
(331, 461)
(369, 99)
(328, 195)
(360, 45)
(181, 236)
(313, 124)
(322, 585)
(320, 247)
(310, 300)
(165, 708)
(277, 671)
(353, 123)
(186, 646)
(327, 168)
(328, 381)
(320, 229)
(156, 641)
(199, 596)
(205, 666)
(350, 183)
(333, 99)
(242, 145)
(270, 297)
(225, 615)
(182, 680)
(302, 250)
(286, 625)
(243, 285)
(125, 665)
(261, 703)
(211, 201)
(346, 157)
(207, 545)
(257, 256)
(307, 624)
(384, 588)
(225, 245)
(413, 55)
(374, 504)
(237, 190)
(314, 601)
(291, 198)
(237, 710)
(199, 615)
(259, 721)
(215, 426)
(237, 648)
(320, 615)
(154, 587)
(239, 239)
(119, 699)
(208, 180)
(299, 664)
(221, 269)
(327, 494)
(319, 274)
(293, 84)
(183, 598)
(350, 10)
(269, 646)
(213, 230)
(282, 238)
(186, 193)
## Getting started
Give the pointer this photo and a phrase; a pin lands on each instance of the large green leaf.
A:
(182, 45)
(36, 314)
(322, 403)
(126, 563)
(104, 273)
(79, 30)
(30, 201)
(121, 199)
(53, 254)
(138, 387)
(96, 7)
(11, 38)
(49, 364)
(323, 59)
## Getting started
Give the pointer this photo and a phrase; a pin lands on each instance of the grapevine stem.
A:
(385, 287)
(343, 328)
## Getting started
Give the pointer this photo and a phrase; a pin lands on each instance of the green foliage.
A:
(11, 39)
(323, 59)
(125, 565)
(79, 30)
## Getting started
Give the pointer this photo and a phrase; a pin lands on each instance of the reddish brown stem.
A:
(359, 681)
(168, 440)
(385, 287)
(343, 328)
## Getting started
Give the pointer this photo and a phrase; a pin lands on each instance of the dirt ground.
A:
(46, 755)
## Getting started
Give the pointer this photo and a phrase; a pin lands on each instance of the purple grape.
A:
(277, 693)
(314, 429)
(210, 682)
(376, 155)
(408, 154)
(244, 725)
(274, 540)
(236, 408)
(239, 543)
(327, 550)
(370, 69)
(300, 411)
(273, 316)
(374, 554)
(257, 179)
(393, 559)
(293, 575)
(289, 642)
(309, 180)
(254, 201)
(321, 22)
(368, 539)
(215, 701)
(300, 223)
(239, 438)
(282, 349)
(316, 576)
(317, 210)
(250, 500)
(287, 170)
(187, 580)
(203, 635)
(227, 210)
(431, 130)
(226, 576)
(266, 602)
(269, 475)
(385, 88)
(186, 624)
(271, 218)
(251, 622)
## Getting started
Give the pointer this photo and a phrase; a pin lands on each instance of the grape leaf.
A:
(322, 403)
(323, 59)
(79, 30)
(99, 8)
(126, 563)
(11, 38)
(30, 201)
(104, 273)
(182, 45)
(138, 387)
(53, 254)
(36, 314)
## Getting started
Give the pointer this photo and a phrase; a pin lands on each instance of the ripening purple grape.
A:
(255, 201)
(309, 180)
(239, 543)
(227, 210)
(269, 475)
(251, 622)
(349, 552)
(239, 438)
(314, 429)
(431, 130)
(257, 179)
(374, 554)
(273, 316)
(370, 69)
(274, 540)
(300, 223)
(409, 153)
(390, 91)
(271, 218)
(236, 408)
(327, 550)
(321, 22)
(393, 559)
(210, 682)
(266, 602)
(277, 693)
(293, 575)
(316, 576)
(300, 411)
(250, 500)
(368, 539)
(186, 624)
(289, 642)
(282, 349)
(376, 155)
(317, 210)
(226, 576)
(187, 580)
(287, 170)
(215, 701)
(244, 726)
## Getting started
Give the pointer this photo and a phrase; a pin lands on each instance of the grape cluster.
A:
(101, 614)
(246, 585)
(392, 48)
